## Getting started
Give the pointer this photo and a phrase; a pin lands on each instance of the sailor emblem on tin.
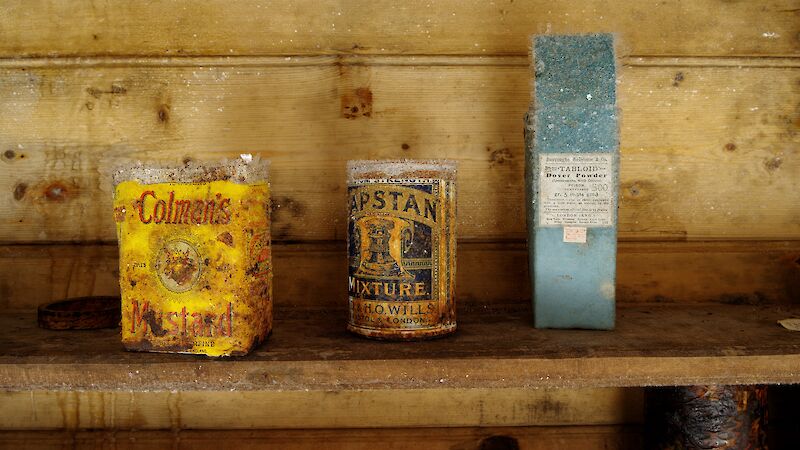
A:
(178, 265)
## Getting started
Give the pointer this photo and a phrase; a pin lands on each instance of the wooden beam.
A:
(608, 437)
(671, 27)
(233, 409)
(315, 274)
(86, 62)
(707, 153)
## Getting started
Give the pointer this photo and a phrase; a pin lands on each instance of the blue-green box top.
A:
(574, 70)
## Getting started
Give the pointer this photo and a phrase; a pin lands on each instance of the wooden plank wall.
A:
(708, 92)
(493, 273)
(710, 98)
(118, 27)
(712, 156)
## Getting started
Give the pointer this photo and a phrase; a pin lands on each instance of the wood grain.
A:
(313, 274)
(707, 152)
(710, 152)
(609, 437)
(492, 349)
(400, 407)
(117, 27)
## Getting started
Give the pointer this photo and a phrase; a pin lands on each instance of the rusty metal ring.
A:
(80, 313)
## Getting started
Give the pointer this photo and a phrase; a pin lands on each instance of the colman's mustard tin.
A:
(195, 260)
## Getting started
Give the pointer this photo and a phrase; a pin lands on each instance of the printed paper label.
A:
(399, 249)
(575, 235)
(576, 190)
(790, 324)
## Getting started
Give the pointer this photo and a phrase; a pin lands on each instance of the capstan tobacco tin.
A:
(401, 248)
(195, 261)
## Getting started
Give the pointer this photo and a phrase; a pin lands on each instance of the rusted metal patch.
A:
(706, 417)
(80, 313)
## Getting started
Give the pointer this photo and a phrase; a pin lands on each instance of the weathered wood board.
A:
(234, 409)
(608, 437)
(707, 152)
(314, 275)
(117, 27)
(311, 350)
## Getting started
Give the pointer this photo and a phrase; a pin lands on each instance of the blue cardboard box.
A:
(572, 178)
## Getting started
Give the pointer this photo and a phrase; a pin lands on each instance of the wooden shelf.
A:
(310, 350)
(532, 438)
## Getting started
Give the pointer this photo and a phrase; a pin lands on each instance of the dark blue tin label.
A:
(399, 253)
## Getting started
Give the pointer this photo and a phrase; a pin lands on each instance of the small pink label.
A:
(575, 234)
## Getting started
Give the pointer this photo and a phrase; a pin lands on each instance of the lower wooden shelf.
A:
(532, 438)
(497, 370)
(310, 350)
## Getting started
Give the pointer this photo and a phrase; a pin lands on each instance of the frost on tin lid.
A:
(407, 168)
(246, 169)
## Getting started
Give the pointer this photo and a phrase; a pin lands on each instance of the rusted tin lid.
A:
(80, 313)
